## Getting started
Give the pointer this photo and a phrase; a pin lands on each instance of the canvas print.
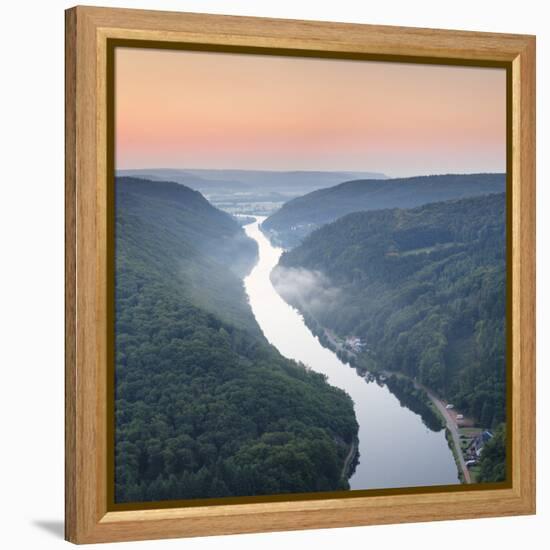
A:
(310, 275)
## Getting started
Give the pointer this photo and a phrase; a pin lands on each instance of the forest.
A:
(424, 289)
(297, 218)
(204, 405)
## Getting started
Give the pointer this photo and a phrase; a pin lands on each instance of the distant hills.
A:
(289, 181)
(424, 290)
(248, 191)
(191, 179)
(204, 405)
(300, 216)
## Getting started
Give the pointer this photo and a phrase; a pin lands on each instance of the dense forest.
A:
(204, 406)
(299, 217)
(424, 289)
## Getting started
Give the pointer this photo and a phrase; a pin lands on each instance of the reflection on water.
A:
(396, 449)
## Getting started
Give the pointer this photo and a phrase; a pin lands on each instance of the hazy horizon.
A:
(225, 111)
(287, 170)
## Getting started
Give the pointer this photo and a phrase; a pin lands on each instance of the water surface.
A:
(396, 448)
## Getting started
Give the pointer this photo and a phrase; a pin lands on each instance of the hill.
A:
(292, 181)
(204, 406)
(249, 191)
(189, 179)
(423, 289)
(300, 216)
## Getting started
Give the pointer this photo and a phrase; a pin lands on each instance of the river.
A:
(396, 448)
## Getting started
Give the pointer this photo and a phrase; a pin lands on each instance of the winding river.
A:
(396, 448)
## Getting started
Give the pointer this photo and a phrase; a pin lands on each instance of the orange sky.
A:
(210, 110)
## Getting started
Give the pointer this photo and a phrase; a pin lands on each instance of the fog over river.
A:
(396, 448)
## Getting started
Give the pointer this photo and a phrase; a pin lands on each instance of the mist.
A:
(311, 290)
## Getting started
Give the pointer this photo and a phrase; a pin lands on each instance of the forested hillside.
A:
(302, 215)
(424, 289)
(204, 406)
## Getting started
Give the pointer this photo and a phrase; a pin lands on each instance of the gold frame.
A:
(90, 35)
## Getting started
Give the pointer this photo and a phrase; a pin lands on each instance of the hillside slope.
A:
(204, 406)
(302, 215)
(424, 289)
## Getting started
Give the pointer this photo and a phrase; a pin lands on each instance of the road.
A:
(449, 420)
(453, 429)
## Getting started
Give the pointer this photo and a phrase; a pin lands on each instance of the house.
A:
(480, 441)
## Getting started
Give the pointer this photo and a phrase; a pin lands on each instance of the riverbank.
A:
(416, 399)
(452, 428)
(449, 419)
(351, 458)
(385, 428)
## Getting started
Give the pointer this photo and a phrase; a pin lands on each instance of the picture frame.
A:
(91, 35)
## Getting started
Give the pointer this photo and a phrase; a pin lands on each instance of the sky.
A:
(178, 109)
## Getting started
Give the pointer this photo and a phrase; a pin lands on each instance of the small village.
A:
(468, 439)
(472, 441)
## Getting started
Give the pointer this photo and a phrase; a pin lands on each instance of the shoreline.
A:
(451, 428)
(327, 339)
(350, 458)
(354, 387)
